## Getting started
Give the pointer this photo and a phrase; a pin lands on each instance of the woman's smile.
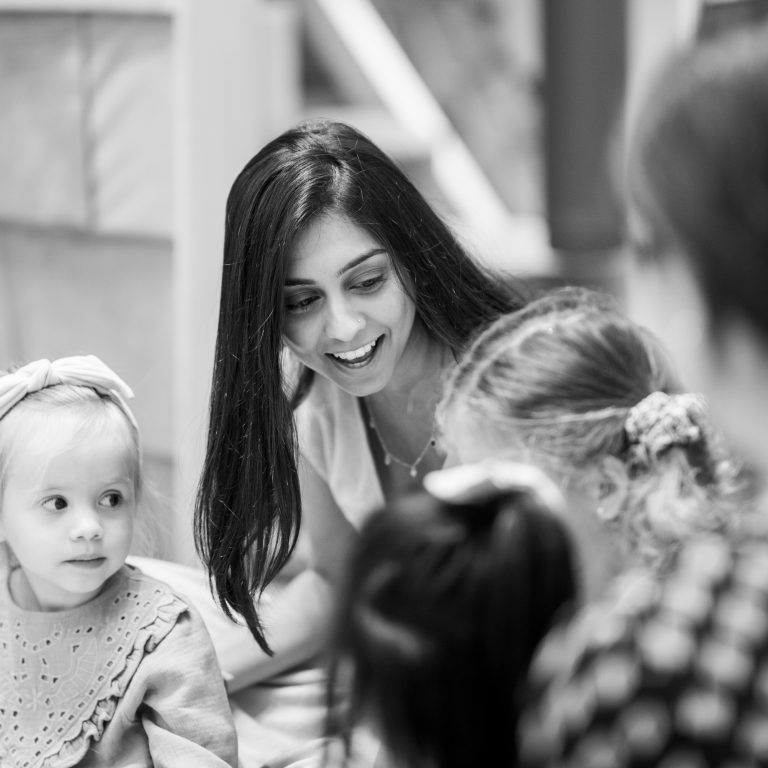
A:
(357, 358)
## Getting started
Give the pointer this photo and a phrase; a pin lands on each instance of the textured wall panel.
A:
(128, 122)
(41, 153)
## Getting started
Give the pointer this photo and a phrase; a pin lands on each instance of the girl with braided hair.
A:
(675, 673)
(571, 384)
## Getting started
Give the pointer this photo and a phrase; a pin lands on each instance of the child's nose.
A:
(87, 526)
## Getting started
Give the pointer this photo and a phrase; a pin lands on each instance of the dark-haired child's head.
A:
(444, 605)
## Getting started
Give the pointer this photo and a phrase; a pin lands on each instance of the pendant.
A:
(413, 472)
(387, 459)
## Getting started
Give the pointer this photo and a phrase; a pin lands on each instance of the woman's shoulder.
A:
(326, 422)
(326, 407)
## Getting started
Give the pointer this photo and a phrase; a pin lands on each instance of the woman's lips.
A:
(360, 360)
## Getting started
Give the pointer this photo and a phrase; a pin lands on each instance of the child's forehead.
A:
(45, 434)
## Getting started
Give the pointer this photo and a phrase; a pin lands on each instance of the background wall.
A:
(124, 123)
(86, 202)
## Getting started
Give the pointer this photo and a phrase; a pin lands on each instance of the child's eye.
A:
(55, 503)
(297, 304)
(111, 499)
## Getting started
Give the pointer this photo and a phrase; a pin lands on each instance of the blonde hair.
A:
(98, 411)
(559, 379)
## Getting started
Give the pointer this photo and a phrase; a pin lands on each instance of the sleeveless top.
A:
(333, 439)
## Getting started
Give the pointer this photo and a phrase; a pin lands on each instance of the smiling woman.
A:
(344, 299)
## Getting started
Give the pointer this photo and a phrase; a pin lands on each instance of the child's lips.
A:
(87, 561)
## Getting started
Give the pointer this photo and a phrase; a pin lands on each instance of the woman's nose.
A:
(86, 526)
(342, 322)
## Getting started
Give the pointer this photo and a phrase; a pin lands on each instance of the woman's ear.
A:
(612, 489)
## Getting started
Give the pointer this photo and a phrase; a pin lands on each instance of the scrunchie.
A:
(82, 370)
(659, 422)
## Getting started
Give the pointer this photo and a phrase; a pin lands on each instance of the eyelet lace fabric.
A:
(62, 673)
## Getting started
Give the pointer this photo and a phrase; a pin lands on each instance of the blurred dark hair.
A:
(698, 169)
(443, 607)
(248, 508)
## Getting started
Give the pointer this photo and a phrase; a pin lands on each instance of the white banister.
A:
(395, 82)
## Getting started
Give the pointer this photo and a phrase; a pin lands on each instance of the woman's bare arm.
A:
(295, 615)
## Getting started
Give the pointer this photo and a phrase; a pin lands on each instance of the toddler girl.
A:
(572, 385)
(100, 665)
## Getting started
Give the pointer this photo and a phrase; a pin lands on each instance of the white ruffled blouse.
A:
(129, 678)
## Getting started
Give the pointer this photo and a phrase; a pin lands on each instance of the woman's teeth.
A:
(355, 354)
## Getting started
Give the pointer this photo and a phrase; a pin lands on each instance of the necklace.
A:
(389, 457)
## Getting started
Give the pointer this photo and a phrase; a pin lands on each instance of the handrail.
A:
(123, 7)
(397, 84)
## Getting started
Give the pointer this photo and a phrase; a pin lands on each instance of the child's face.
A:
(469, 438)
(68, 507)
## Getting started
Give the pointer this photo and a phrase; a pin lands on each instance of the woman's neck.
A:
(401, 418)
(417, 381)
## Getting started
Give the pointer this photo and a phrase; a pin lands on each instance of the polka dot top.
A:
(670, 674)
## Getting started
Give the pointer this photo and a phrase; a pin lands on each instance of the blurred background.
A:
(124, 122)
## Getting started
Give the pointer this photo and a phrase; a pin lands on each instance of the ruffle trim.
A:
(148, 637)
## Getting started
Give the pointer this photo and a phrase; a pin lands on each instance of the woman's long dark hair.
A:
(248, 507)
(443, 607)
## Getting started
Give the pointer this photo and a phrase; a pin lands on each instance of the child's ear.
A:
(614, 483)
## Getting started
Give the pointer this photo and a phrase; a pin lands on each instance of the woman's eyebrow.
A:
(291, 282)
(359, 260)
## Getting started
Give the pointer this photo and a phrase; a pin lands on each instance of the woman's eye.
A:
(111, 499)
(297, 304)
(55, 504)
(369, 283)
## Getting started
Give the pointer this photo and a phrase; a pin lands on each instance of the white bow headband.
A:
(83, 370)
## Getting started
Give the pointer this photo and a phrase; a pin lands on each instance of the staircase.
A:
(353, 69)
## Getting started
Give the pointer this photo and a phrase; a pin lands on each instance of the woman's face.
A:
(348, 317)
